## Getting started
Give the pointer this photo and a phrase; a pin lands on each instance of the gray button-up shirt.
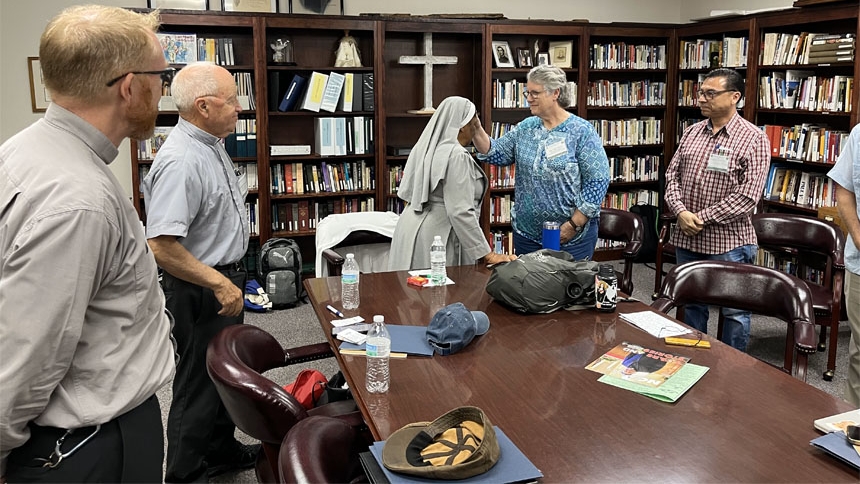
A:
(83, 333)
(192, 192)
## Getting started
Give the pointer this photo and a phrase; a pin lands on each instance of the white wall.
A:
(22, 22)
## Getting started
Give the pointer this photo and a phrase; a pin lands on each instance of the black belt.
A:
(233, 267)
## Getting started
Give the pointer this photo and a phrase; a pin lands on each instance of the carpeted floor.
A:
(299, 326)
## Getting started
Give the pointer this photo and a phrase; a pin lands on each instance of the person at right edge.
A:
(713, 184)
(846, 174)
(198, 230)
(562, 169)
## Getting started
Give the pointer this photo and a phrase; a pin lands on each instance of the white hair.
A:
(193, 81)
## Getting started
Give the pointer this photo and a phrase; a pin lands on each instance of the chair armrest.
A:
(804, 337)
(307, 353)
(662, 304)
(631, 250)
(333, 257)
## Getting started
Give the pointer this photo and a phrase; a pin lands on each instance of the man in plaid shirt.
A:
(713, 183)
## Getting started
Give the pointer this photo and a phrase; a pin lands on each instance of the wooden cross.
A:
(427, 60)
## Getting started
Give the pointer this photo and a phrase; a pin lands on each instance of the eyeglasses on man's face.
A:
(711, 94)
(166, 76)
(532, 94)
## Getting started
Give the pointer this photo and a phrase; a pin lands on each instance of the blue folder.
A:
(411, 340)
(837, 445)
(512, 466)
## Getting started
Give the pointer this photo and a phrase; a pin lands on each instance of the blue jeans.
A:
(736, 323)
(580, 248)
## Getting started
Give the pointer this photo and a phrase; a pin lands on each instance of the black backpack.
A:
(279, 270)
(650, 221)
(543, 281)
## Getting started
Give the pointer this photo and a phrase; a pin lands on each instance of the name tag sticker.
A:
(554, 150)
(719, 162)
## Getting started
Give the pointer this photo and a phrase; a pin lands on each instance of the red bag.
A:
(308, 387)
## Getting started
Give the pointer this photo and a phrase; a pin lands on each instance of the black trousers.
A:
(129, 448)
(198, 425)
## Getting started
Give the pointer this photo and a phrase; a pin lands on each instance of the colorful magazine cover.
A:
(178, 48)
(638, 364)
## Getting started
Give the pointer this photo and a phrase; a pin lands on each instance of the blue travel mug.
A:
(551, 235)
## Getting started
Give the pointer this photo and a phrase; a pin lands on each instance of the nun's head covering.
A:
(428, 160)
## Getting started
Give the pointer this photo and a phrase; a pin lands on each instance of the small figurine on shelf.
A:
(283, 52)
(347, 52)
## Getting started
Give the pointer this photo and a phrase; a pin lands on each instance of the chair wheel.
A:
(654, 296)
(828, 375)
(822, 346)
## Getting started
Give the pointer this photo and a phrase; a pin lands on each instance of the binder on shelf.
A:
(346, 96)
(340, 136)
(324, 136)
(293, 92)
(331, 94)
(367, 91)
(313, 95)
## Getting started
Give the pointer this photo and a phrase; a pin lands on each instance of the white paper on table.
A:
(346, 322)
(655, 324)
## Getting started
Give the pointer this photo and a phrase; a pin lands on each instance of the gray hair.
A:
(193, 81)
(551, 78)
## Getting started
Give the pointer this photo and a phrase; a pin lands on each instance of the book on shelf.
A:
(293, 93)
(288, 150)
(324, 136)
(367, 90)
(313, 95)
(331, 94)
(347, 93)
(178, 47)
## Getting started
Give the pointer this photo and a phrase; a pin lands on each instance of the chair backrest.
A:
(749, 287)
(623, 226)
(804, 234)
(366, 234)
(320, 449)
(235, 359)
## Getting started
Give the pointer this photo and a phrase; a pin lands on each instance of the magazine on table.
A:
(638, 364)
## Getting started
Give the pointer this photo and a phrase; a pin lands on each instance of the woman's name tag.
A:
(554, 150)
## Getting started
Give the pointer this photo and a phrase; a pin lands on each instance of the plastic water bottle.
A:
(349, 283)
(378, 348)
(438, 276)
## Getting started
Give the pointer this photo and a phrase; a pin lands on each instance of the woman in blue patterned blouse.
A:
(562, 172)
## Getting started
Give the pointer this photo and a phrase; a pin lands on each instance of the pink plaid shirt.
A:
(724, 201)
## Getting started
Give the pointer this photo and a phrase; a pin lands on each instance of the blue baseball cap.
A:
(453, 327)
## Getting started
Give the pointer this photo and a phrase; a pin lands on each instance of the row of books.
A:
(806, 48)
(647, 130)
(394, 204)
(302, 178)
(509, 94)
(502, 176)
(343, 136)
(250, 172)
(634, 169)
(395, 176)
(347, 92)
(709, 53)
(806, 189)
(501, 241)
(252, 208)
(498, 129)
(625, 199)
(806, 142)
(683, 124)
(305, 215)
(500, 209)
(688, 92)
(794, 89)
(626, 93)
(147, 148)
(242, 143)
(787, 263)
(621, 55)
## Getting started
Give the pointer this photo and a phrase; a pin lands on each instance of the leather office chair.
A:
(321, 449)
(815, 244)
(367, 234)
(746, 286)
(623, 226)
(665, 251)
(235, 359)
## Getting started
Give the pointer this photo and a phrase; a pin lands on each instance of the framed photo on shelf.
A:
(316, 7)
(179, 4)
(270, 6)
(561, 54)
(524, 58)
(39, 95)
(542, 59)
(502, 54)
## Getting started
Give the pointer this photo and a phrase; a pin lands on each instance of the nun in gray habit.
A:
(443, 187)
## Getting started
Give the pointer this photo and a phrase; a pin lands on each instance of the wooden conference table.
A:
(743, 421)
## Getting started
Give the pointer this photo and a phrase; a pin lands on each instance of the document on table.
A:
(655, 324)
(670, 391)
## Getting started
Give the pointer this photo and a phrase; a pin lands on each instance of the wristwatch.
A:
(576, 228)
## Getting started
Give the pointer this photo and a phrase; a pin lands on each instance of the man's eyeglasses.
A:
(166, 76)
(711, 94)
(532, 94)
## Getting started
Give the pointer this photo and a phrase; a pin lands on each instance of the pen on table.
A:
(335, 311)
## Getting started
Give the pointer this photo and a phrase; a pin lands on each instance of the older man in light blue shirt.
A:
(846, 174)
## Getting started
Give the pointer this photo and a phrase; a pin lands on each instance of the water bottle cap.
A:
(437, 237)
(350, 256)
(378, 318)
